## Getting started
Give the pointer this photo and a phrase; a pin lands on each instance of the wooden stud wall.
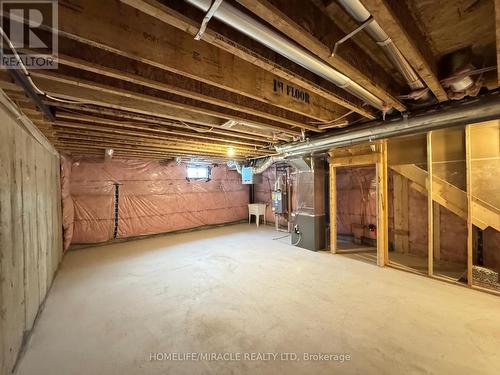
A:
(30, 232)
(433, 183)
(362, 155)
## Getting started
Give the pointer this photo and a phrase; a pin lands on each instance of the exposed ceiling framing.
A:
(134, 78)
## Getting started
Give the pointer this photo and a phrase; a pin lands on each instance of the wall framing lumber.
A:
(30, 230)
(470, 206)
(382, 206)
(497, 34)
(333, 208)
(353, 161)
(379, 160)
(430, 212)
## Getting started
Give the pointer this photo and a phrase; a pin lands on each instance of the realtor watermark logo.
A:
(248, 356)
(29, 34)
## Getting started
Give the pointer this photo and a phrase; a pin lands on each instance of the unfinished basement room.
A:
(196, 187)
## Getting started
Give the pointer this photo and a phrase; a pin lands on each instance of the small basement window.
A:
(198, 172)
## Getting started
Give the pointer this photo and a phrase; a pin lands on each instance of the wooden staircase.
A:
(484, 215)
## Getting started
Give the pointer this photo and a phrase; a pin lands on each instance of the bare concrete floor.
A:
(235, 289)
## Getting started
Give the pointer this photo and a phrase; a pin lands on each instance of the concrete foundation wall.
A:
(30, 232)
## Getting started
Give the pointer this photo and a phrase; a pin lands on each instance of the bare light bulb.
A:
(230, 152)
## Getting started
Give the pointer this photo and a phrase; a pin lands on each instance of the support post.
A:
(333, 209)
(469, 203)
(382, 214)
(430, 211)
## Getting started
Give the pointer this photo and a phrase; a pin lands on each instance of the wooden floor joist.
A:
(349, 59)
(116, 66)
(106, 116)
(396, 20)
(120, 128)
(118, 28)
(63, 128)
(153, 140)
(95, 93)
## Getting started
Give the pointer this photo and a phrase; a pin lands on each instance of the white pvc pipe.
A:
(357, 11)
(283, 46)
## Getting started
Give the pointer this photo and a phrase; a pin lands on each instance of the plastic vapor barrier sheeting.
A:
(127, 198)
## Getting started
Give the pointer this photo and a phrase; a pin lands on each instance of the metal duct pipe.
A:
(361, 14)
(273, 40)
(266, 164)
(234, 164)
(258, 169)
(456, 114)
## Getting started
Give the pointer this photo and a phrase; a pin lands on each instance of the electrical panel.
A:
(279, 202)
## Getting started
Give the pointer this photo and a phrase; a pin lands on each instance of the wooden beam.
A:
(382, 206)
(430, 213)
(401, 213)
(291, 18)
(171, 17)
(396, 20)
(120, 29)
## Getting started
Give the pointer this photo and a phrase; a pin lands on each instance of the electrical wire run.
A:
(196, 129)
(331, 121)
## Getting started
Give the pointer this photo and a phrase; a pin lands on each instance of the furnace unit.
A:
(309, 216)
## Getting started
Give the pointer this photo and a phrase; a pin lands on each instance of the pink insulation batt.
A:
(154, 197)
